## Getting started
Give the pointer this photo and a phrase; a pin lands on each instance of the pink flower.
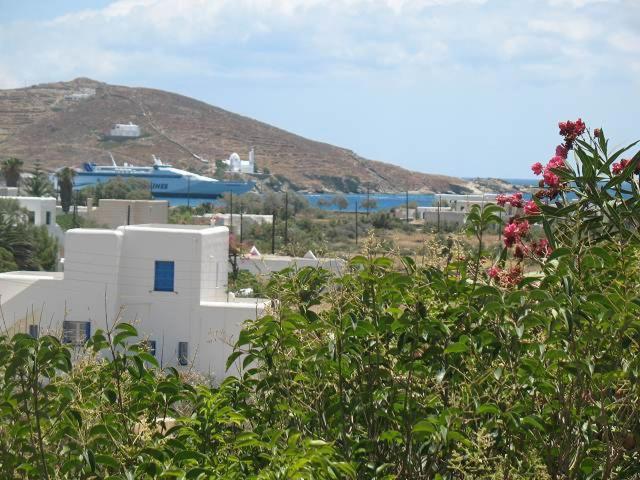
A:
(502, 199)
(516, 200)
(571, 130)
(531, 208)
(542, 248)
(537, 168)
(618, 167)
(551, 179)
(511, 235)
(562, 151)
(556, 162)
(494, 272)
(523, 228)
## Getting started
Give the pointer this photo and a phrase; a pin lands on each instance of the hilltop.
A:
(46, 123)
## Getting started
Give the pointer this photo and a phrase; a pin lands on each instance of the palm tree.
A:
(11, 169)
(65, 185)
(39, 184)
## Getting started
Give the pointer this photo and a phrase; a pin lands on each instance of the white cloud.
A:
(274, 39)
(625, 41)
(576, 29)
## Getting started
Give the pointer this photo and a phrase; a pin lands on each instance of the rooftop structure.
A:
(123, 130)
(237, 165)
(170, 281)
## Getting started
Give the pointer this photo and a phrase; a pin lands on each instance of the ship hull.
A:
(168, 185)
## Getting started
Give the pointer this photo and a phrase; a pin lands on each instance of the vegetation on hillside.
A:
(463, 365)
(118, 188)
(11, 169)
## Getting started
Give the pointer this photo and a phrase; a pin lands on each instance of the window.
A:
(152, 347)
(34, 331)
(163, 276)
(48, 218)
(183, 353)
(75, 333)
(32, 217)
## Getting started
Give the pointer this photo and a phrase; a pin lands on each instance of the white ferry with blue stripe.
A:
(164, 180)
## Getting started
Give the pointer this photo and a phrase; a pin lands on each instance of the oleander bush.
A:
(462, 365)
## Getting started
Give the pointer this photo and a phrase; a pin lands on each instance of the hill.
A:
(63, 123)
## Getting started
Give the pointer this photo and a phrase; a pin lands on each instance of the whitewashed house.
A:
(42, 212)
(170, 281)
(124, 130)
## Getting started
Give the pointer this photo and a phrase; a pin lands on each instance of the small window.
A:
(76, 333)
(34, 331)
(183, 353)
(48, 218)
(152, 347)
(163, 276)
(32, 217)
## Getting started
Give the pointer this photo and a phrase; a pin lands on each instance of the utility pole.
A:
(273, 232)
(231, 212)
(286, 217)
(439, 202)
(407, 204)
(241, 227)
(356, 222)
(368, 202)
(129, 214)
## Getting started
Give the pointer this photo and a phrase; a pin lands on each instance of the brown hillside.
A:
(39, 123)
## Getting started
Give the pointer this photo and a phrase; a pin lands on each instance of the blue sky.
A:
(461, 87)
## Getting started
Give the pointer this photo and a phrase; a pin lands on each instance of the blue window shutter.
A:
(152, 347)
(164, 276)
(87, 331)
(33, 331)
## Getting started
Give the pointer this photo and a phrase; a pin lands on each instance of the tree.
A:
(11, 169)
(39, 184)
(65, 185)
(341, 202)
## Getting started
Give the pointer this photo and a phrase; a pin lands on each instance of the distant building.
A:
(237, 165)
(124, 131)
(81, 95)
(169, 281)
(42, 212)
(259, 264)
(113, 213)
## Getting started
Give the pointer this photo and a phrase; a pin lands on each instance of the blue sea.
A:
(383, 201)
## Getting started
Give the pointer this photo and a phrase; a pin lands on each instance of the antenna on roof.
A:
(112, 160)
(156, 161)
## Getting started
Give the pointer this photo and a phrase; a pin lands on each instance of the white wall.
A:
(267, 264)
(110, 273)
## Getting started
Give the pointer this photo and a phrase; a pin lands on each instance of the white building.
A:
(123, 130)
(42, 212)
(237, 165)
(265, 265)
(170, 281)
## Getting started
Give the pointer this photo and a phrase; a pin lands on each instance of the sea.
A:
(376, 202)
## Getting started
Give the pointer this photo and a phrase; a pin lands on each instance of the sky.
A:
(459, 87)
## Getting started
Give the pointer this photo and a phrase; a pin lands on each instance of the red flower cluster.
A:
(531, 208)
(571, 130)
(541, 248)
(506, 278)
(514, 200)
(537, 168)
(618, 167)
(514, 232)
